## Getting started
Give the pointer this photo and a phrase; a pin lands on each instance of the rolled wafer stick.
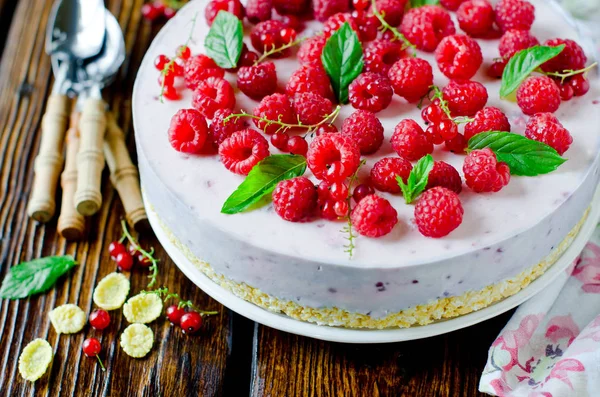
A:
(71, 224)
(123, 174)
(49, 161)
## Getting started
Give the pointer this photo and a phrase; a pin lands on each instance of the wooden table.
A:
(232, 356)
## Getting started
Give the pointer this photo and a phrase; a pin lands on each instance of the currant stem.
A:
(101, 364)
(166, 295)
(148, 255)
(570, 72)
(437, 94)
(386, 26)
(348, 229)
(275, 50)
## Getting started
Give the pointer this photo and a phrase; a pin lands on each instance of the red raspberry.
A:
(380, 55)
(426, 26)
(312, 108)
(310, 51)
(333, 157)
(325, 8)
(572, 57)
(458, 56)
(538, 94)
(368, 25)
(465, 97)
(243, 150)
(214, 6)
(292, 7)
(374, 216)
(409, 140)
(309, 79)
(487, 119)
(392, 10)
(275, 107)
(334, 22)
(370, 91)
(483, 173)
(476, 17)
(411, 78)
(545, 127)
(257, 81)
(198, 68)
(220, 130)
(365, 129)
(457, 145)
(513, 41)
(266, 35)
(438, 212)
(212, 94)
(514, 14)
(258, 10)
(295, 199)
(451, 5)
(384, 172)
(188, 131)
(444, 175)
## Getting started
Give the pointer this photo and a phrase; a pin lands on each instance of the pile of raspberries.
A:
(333, 155)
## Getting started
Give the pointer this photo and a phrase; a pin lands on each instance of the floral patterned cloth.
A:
(551, 345)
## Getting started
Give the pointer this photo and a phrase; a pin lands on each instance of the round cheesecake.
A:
(505, 241)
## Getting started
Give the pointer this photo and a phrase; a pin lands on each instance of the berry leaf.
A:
(343, 60)
(420, 3)
(262, 180)
(33, 277)
(417, 179)
(224, 40)
(523, 63)
(524, 156)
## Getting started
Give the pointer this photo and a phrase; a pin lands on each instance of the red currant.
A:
(496, 69)
(566, 92)
(168, 79)
(248, 58)
(169, 12)
(297, 145)
(132, 249)
(325, 129)
(91, 347)
(432, 113)
(360, 4)
(328, 210)
(280, 141)
(323, 191)
(580, 85)
(170, 93)
(362, 191)
(115, 248)
(150, 12)
(178, 67)
(184, 52)
(161, 61)
(292, 21)
(457, 145)
(341, 208)
(268, 41)
(338, 191)
(143, 260)
(174, 314)
(99, 319)
(124, 261)
(191, 322)
(447, 129)
(433, 134)
(287, 35)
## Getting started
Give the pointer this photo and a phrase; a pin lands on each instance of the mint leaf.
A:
(524, 156)
(33, 277)
(420, 3)
(343, 60)
(417, 179)
(523, 63)
(224, 40)
(262, 180)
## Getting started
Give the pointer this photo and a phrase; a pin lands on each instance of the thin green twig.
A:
(349, 248)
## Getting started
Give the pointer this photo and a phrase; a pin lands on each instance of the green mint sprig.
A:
(417, 179)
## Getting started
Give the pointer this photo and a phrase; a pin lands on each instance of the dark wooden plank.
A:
(443, 366)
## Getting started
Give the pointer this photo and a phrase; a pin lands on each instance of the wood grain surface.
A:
(231, 356)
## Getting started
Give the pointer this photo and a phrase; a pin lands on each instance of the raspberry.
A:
(384, 172)
(572, 57)
(465, 98)
(212, 94)
(325, 129)
(409, 140)
(309, 79)
(411, 78)
(457, 145)
(514, 14)
(458, 56)
(438, 212)
(325, 8)
(483, 173)
(545, 127)
(198, 68)
(451, 5)
(368, 26)
(243, 150)
(265, 36)
(333, 157)
(370, 91)
(257, 81)
(365, 129)
(513, 41)
(444, 175)
(476, 17)
(295, 199)
(310, 51)
(538, 94)
(374, 216)
(380, 55)
(334, 22)
(214, 6)
(258, 10)
(392, 10)
(311, 108)
(487, 119)
(220, 130)
(275, 107)
(426, 26)
(292, 7)
(188, 131)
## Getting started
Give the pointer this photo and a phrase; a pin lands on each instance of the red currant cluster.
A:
(170, 69)
(127, 257)
(190, 321)
(161, 8)
(285, 143)
(99, 320)
(440, 127)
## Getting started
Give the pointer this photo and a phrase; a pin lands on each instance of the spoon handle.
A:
(90, 159)
(49, 160)
(71, 224)
(123, 174)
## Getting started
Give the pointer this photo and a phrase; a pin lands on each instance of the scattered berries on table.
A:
(99, 319)
(385, 171)
(91, 347)
(191, 322)
(198, 68)
(370, 91)
(188, 131)
(309, 79)
(380, 55)
(545, 127)
(124, 261)
(426, 26)
(487, 119)
(374, 216)
(438, 212)
(572, 57)
(538, 94)
(295, 199)
(514, 40)
(243, 150)
(231, 6)
(311, 108)
(476, 17)
(257, 81)
(411, 78)
(275, 107)
(409, 140)
(483, 172)
(333, 157)
(514, 14)
(364, 128)
(444, 175)
(115, 248)
(174, 314)
(465, 97)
